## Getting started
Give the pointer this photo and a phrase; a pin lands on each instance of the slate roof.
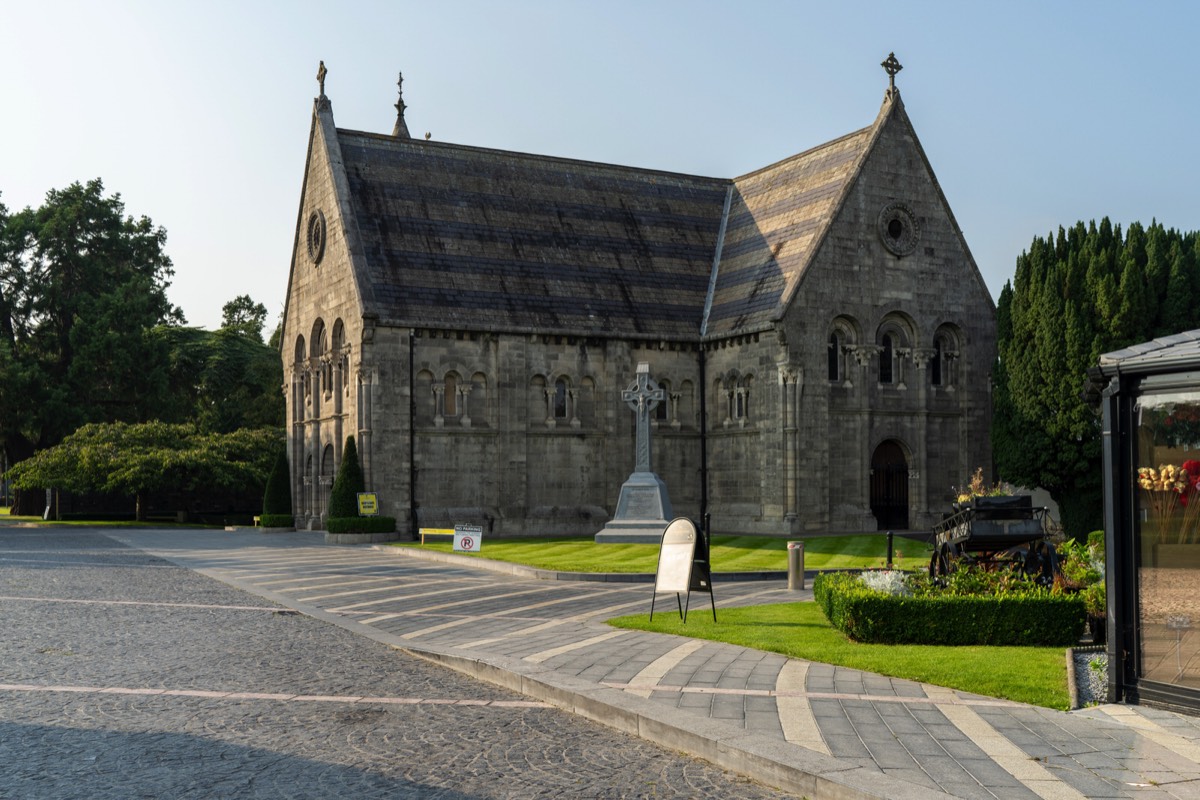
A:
(774, 227)
(1165, 354)
(479, 239)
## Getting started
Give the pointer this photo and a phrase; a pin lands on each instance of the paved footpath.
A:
(810, 728)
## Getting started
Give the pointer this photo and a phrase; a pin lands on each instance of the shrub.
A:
(888, 581)
(343, 499)
(277, 497)
(1032, 616)
(360, 524)
(277, 520)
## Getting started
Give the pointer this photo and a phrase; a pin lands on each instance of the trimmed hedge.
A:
(277, 521)
(1027, 618)
(360, 524)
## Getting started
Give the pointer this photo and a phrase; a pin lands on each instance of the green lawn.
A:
(729, 553)
(1036, 675)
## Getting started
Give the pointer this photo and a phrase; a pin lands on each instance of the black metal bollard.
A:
(889, 561)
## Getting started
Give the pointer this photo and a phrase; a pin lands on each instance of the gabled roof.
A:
(472, 238)
(776, 223)
(479, 239)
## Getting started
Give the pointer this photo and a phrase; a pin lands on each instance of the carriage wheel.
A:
(1040, 563)
(940, 565)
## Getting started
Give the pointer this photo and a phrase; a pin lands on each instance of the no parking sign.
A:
(468, 538)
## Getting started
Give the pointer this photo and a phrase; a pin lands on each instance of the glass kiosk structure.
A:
(1150, 398)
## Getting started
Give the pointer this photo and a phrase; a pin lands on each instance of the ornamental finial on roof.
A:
(400, 130)
(891, 66)
(321, 72)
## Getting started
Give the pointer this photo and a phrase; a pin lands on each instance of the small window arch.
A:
(560, 398)
(835, 356)
(741, 399)
(661, 411)
(450, 396)
(942, 360)
(887, 356)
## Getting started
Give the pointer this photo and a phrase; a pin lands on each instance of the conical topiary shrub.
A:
(343, 499)
(277, 498)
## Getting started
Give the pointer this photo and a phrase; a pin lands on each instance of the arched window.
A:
(560, 399)
(835, 356)
(886, 356)
(450, 396)
(661, 410)
(935, 366)
(741, 399)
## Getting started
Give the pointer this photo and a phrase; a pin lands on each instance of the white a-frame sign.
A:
(678, 569)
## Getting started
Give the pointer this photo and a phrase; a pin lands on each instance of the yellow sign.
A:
(368, 504)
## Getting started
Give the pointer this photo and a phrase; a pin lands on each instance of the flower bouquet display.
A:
(1168, 489)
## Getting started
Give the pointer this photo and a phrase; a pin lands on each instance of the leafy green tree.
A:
(143, 458)
(343, 498)
(82, 287)
(243, 315)
(222, 380)
(1075, 296)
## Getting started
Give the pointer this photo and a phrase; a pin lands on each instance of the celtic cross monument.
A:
(643, 507)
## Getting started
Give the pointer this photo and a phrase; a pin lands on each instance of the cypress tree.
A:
(1079, 294)
(277, 498)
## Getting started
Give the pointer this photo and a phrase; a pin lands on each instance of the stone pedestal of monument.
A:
(643, 508)
(643, 511)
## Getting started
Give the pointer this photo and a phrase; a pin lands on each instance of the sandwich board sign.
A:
(468, 538)
(678, 570)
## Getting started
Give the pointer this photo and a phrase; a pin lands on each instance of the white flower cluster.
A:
(890, 581)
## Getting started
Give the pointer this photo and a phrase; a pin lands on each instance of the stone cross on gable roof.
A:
(891, 66)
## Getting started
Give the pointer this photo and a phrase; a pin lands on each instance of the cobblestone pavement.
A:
(123, 675)
(815, 729)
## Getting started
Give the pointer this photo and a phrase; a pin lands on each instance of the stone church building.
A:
(819, 327)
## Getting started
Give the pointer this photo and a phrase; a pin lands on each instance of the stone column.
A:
(789, 380)
(464, 417)
(364, 426)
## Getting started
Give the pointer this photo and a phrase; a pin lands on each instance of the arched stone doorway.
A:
(889, 486)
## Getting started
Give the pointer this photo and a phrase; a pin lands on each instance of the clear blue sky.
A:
(1033, 114)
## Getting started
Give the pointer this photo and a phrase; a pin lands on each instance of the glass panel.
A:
(1168, 537)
